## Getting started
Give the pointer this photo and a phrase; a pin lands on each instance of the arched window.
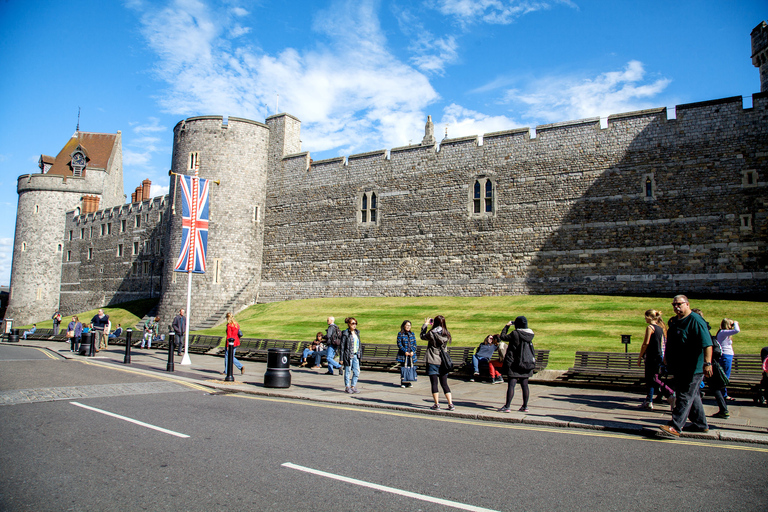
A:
(368, 205)
(482, 197)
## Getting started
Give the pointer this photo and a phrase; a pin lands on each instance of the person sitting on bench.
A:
(484, 354)
(317, 349)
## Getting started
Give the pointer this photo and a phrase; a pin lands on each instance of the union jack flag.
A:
(194, 224)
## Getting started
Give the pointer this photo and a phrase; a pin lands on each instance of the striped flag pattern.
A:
(194, 223)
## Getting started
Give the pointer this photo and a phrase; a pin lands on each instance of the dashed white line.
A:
(408, 494)
(131, 420)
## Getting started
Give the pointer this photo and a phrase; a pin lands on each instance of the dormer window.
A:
(78, 163)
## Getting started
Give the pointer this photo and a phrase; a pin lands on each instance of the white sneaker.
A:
(647, 405)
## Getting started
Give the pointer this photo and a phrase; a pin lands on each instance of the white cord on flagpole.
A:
(185, 360)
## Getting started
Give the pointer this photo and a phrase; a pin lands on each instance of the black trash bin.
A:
(278, 368)
(13, 336)
(86, 340)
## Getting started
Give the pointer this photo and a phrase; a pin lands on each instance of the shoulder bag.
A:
(408, 371)
(446, 363)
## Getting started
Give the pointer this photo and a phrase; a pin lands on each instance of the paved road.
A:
(57, 455)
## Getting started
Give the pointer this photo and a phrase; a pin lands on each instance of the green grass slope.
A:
(562, 323)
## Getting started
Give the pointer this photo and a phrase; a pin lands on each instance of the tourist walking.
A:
(74, 333)
(436, 334)
(652, 351)
(350, 355)
(99, 323)
(519, 361)
(233, 332)
(333, 343)
(56, 322)
(406, 349)
(728, 328)
(688, 356)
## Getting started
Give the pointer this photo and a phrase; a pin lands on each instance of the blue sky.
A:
(360, 75)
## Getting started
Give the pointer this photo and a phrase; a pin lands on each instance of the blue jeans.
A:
(226, 354)
(354, 368)
(476, 362)
(726, 361)
(308, 352)
(688, 404)
(331, 363)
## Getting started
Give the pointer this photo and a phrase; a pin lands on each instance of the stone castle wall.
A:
(570, 215)
(113, 255)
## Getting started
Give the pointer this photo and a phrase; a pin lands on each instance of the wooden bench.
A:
(611, 369)
(746, 374)
(606, 369)
(256, 349)
(380, 355)
(202, 343)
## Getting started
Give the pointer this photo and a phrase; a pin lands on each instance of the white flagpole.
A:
(185, 360)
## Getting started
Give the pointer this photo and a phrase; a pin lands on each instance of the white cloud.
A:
(6, 258)
(494, 11)
(159, 190)
(463, 122)
(431, 54)
(350, 91)
(553, 99)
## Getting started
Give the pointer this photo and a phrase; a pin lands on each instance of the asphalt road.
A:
(56, 455)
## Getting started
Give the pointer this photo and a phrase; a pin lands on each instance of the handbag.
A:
(446, 363)
(70, 334)
(719, 379)
(408, 373)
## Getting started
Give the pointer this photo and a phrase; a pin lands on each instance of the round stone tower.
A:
(87, 173)
(234, 152)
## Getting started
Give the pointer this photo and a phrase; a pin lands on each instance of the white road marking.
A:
(137, 422)
(408, 494)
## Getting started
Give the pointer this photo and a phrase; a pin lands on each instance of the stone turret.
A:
(235, 153)
(85, 175)
(429, 133)
(760, 53)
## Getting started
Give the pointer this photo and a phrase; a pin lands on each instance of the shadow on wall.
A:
(679, 209)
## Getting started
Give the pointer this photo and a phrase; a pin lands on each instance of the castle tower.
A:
(760, 53)
(87, 170)
(235, 152)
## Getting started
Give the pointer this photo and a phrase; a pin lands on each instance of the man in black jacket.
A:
(332, 335)
(179, 327)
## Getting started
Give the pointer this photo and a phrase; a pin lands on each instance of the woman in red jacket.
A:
(233, 331)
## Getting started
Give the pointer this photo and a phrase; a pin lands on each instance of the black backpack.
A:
(335, 339)
(526, 358)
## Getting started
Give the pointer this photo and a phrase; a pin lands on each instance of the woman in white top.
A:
(728, 328)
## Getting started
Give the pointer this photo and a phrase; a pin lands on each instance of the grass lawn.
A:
(562, 323)
(127, 314)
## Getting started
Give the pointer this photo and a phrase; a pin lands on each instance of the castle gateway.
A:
(645, 203)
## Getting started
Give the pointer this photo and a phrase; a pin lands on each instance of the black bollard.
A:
(127, 358)
(169, 368)
(230, 359)
(92, 346)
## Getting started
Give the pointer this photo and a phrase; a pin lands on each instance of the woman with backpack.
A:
(519, 361)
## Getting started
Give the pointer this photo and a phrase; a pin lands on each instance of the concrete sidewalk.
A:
(549, 405)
